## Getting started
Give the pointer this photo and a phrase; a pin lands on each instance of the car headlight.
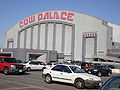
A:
(95, 70)
(13, 66)
(90, 79)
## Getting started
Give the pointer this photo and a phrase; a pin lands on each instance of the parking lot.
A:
(33, 80)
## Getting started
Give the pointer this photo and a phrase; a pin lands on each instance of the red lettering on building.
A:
(21, 24)
(56, 16)
(51, 17)
(40, 16)
(70, 16)
(64, 15)
(46, 16)
(25, 21)
(31, 19)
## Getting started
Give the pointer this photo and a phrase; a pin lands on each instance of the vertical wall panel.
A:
(28, 38)
(50, 36)
(68, 39)
(89, 47)
(42, 37)
(35, 36)
(22, 34)
(10, 45)
(58, 37)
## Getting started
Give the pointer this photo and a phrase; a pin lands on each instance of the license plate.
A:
(20, 70)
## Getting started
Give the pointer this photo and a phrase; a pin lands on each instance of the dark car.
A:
(111, 66)
(100, 70)
(111, 84)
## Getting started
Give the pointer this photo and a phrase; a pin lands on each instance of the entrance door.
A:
(89, 45)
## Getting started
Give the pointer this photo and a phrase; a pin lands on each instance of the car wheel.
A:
(79, 83)
(28, 69)
(48, 79)
(6, 71)
(109, 74)
(99, 74)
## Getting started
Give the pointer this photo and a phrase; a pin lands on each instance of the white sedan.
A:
(34, 65)
(71, 74)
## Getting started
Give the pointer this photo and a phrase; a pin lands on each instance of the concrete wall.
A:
(116, 32)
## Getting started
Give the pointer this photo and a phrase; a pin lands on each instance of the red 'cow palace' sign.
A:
(68, 16)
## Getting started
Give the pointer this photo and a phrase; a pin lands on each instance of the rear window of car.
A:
(24, 62)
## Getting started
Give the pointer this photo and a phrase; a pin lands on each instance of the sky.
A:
(13, 11)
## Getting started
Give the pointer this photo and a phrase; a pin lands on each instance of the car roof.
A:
(66, 65)
(101, 65)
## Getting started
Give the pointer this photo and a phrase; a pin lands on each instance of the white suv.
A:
(34, 65)
(71, 74)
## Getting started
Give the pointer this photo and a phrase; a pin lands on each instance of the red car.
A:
(85, 65)
(10, 65)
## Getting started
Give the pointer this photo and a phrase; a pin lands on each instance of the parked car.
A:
(10, 65)
(71, 74)
(50, 64)
(111, 84)
(100, 70)
(111, 66)
(34, 65)
(86, 65)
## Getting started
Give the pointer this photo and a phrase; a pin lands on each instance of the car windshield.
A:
(24, 62)
(10, 60)
(76, 69)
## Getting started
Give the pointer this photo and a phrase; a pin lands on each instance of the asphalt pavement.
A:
(33, 81)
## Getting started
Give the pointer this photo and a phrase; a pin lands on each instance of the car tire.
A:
(79, 83)
(48, 79)
(28, 69)
(6, 71)
(99, 74)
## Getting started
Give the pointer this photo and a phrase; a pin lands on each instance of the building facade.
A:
(59, 35)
